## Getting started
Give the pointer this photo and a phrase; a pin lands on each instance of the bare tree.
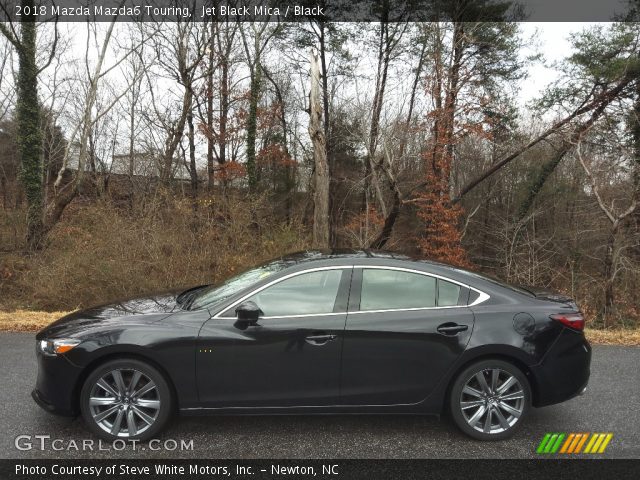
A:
(615, 217)
(321, 172)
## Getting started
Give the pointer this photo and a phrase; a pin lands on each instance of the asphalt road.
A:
(612, 404)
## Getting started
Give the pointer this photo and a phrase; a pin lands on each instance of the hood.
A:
(146, 309)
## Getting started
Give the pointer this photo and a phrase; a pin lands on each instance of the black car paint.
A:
(372, 363)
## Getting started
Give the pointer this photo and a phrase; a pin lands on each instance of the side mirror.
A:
(248, 313)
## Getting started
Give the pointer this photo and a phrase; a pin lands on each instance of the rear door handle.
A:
(319, 339)
(451, 328)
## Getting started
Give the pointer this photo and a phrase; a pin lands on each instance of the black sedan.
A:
(319, 332)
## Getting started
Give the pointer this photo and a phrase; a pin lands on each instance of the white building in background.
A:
(140, 164)
(145, 164)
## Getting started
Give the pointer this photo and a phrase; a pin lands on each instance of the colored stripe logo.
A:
(573, 443)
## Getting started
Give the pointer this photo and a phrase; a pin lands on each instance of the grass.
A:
(26, 320)
(32, 321)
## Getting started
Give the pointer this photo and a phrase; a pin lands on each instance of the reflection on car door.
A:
(290, 357)
(404, 331)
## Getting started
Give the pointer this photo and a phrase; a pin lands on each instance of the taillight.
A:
(571, 320)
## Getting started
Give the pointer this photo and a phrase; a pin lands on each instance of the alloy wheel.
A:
(492, 401)
(124, 402)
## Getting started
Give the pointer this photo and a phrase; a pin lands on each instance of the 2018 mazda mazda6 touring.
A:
(319, 332)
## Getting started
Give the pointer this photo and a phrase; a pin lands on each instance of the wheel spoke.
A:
(102, 401)
(483, 382)
(503, 421)
(102, 383)
(495, 373)
(117, 377)
(134, 380)
(155, 404)
(131, 423)
(471, 404)
(509, 409)
(148, 419)
(146, 389)
(117, 423)
(104, 414)
(471, 391)
(507, 385)
(512, 396)
(487, 421)
(477, 415)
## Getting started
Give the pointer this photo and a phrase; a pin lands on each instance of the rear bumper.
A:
(564, 371)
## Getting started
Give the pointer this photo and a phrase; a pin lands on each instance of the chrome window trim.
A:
(278, 280)
(482, 296)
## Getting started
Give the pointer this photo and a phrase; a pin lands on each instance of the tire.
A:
(139, 411)
(504, 400)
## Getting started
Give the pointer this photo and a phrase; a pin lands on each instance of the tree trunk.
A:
(252, 125)
(389, 222)
(609, 276)
(193, 172)
(210, 139)
(384, 52)
(29, 131)
(174, 137)
(324, 75)
(321, 173)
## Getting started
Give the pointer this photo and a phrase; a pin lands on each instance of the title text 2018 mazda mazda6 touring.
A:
(319, 332)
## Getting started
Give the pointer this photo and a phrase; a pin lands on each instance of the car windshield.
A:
(217, 293)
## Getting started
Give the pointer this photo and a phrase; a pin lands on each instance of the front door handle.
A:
(451, 328)
(319, 339)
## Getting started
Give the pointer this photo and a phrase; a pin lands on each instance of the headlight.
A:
(57, 346)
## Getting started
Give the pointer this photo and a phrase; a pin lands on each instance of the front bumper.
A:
(564, 371)
(56, 387)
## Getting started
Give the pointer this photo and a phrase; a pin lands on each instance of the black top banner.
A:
(320, 10)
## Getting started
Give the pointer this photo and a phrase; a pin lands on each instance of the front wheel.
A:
(490, 399)
(126, 399)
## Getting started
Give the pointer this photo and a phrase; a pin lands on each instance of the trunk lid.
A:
(549, 296)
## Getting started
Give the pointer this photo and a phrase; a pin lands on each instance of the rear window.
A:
(384, 289)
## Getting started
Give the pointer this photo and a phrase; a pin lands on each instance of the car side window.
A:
(304, 294)
(448, 293)
(396, 289)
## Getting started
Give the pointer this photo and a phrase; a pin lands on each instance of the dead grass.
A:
(31, 321)
(100, 252)
(27, 321)
(626, 337)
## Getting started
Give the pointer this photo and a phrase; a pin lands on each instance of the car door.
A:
(290, 357)
(404, 330)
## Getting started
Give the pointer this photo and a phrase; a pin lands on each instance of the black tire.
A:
(160, 393)
(491, 402)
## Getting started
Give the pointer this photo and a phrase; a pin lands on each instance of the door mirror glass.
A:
(248, 312)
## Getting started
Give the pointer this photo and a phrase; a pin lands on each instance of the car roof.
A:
(309, 259)
(361, 257)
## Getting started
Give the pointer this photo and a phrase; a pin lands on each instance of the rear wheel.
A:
(490, 399)
(127, 399)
